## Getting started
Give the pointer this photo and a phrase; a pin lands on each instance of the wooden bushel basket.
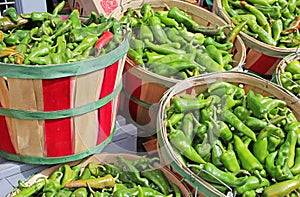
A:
(112, 158)
(196, 86)
(59, 113)
(143, 89)
(261, 57)
(281, 66)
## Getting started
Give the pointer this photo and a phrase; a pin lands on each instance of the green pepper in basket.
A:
(34, 188)
(228, 158)
(183, 104)
(213, 174)
(252, 183)
(293, 67)
(158, 178)
(157, 30)
(233, 120)
(11, 12)
(277, 172)
(282, 188)
(206, 61)
(163, 16)
(179, 141)
(248, 161)
(146, 12)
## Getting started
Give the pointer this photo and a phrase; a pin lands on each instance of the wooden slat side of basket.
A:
(251, 42)
(199, 85)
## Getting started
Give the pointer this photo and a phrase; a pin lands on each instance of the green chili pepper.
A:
(260, 17)
(133, 173)
(296, 168)
(29, 191)
(88, 41)
(242, 113)
(260, 147)
(252, 183)
(174, 36)
(74, 17)
(58, 8)
(215, 175)
(210, 41)
(179, 141)
(182, 17)
(233, 120)
(146, 11)
(216, 153)
(281, 188)
(163, 49)
(158, 178)
(221, 88)
(215, 54)
(293, 67)
(248, 160)
(11, 12)
(256, 124)
(63, 193)
(80, 192)
(235, 31)
(188, 126)
(65, 27)
(221, 129)
(158, 32)
(206, 61)
(280, 173)
(182, 104)
(163, 16)
(262, 34)
(204, 149)
(146, 33)
(229, 159)
(231, 12)
(250, 193)
(135, 56)
(287, 150)
(277, 28)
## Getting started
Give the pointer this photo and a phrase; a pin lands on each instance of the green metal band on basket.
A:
(34, 115)
(56, 160)
(140, 102)
(64, 70)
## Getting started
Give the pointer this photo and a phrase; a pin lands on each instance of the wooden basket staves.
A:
(59, 113)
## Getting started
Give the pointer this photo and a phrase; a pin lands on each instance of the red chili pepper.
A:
(104, 39)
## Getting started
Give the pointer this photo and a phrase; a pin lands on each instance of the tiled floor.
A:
(124, 141)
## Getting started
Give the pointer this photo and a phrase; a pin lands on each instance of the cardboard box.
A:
(105, 7)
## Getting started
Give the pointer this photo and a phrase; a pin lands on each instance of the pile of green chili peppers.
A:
(235, 139)
(274, 22)
(290, 76)
(122, 178)
(42, 38)
(170, 43)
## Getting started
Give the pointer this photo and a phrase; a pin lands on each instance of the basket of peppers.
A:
(272, 26)
(104, 175)
(232, 134)
(67, 70)
(287, 74)
(172, 41)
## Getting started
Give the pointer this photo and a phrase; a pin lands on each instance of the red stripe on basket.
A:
(132, 85)
(263, 64)
(105, 112)
(5, 140)
(58, 132)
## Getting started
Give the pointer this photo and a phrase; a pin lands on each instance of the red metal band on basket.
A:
(5, 141)
(58, 133)
(105, 112)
